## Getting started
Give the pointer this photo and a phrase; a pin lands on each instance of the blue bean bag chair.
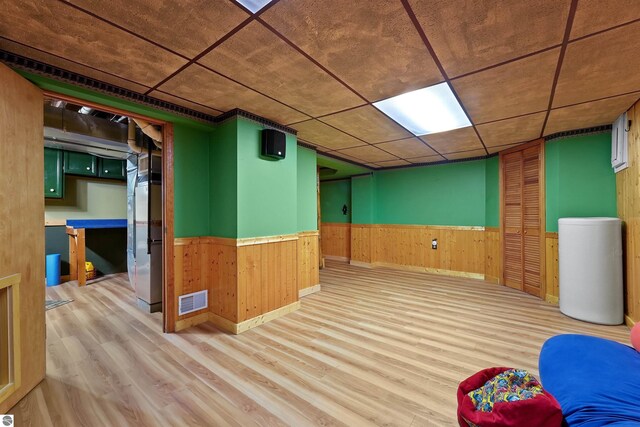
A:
(596, 381)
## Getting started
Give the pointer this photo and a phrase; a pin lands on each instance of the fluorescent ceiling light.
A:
(424, 111)
(254, 5)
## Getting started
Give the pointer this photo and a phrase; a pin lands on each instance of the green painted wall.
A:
(267, 188)
(191, 181)
(307, 197)
(333, 196)
(363, 199)
(492, 198)
(223, 166)
(579, 178)
(449, 194)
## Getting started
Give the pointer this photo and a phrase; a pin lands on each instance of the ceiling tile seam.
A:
(255, 90)
(344, 110)
(604, 98)
(74, 62)
(563, 50)
(204, 52)
(188, 100)
(233, 31)
(509, 61)
(615, 27)
(359, 139)
(395, 140)
(310, 58)
(329, 149)
(432, 52)
(511, 118)
(121, 28)
(411, 133)
(327, 153)
(331, 74)
(537, 52)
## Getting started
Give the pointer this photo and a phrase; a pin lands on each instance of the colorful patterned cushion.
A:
(508, 386)
(504, 397)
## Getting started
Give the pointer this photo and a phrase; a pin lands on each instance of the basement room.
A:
(320, 213)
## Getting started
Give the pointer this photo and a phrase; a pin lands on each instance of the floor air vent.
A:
(192, 302)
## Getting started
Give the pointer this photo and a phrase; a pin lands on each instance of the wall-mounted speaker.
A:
(274, 144)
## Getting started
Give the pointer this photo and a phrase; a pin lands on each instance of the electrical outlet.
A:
(434, 244)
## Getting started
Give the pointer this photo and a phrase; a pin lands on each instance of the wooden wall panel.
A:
(493, 255)
(336, 240)
(222, 277)
(460, 250)
(362, 243)
(267, 277)
(552, 276)
(628, 200)
(308, 265)
(22, 221)
(246, 278)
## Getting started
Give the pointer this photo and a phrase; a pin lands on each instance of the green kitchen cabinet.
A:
(53, 174)
(80, 164)
(112, 168)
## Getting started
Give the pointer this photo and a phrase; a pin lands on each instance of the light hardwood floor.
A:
(376, 346)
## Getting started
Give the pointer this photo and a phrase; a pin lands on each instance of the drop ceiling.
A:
(521, 69)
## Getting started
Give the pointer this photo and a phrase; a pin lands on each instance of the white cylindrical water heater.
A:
(590, 258)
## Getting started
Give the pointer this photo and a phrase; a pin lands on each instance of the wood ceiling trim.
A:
(427, 44)
(563, 49)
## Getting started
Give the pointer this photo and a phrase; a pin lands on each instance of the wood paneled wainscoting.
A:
(492, 255)
(460, 252)
(308, 263)
(336, 240)
(551, 268)
(628, 200)
(249, 281)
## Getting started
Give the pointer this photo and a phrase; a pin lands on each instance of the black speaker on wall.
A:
(274, 144)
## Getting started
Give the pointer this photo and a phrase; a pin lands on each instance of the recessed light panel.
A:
(424, 111)
(254, 5)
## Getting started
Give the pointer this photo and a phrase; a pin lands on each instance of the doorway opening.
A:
(104, 199)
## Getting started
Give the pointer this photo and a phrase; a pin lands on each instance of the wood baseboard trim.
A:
(238, 328)
(308, 291)
(492, 279)
(337, 258)
(192, 321)
(629, 321)
(361, 264)
(552, 299)
(440, 271)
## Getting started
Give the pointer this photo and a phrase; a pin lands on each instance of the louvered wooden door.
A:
(523, 219)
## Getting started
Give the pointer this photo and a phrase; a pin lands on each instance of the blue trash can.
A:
(53, 269)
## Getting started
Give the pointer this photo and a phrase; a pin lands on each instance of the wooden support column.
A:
(77, 255)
